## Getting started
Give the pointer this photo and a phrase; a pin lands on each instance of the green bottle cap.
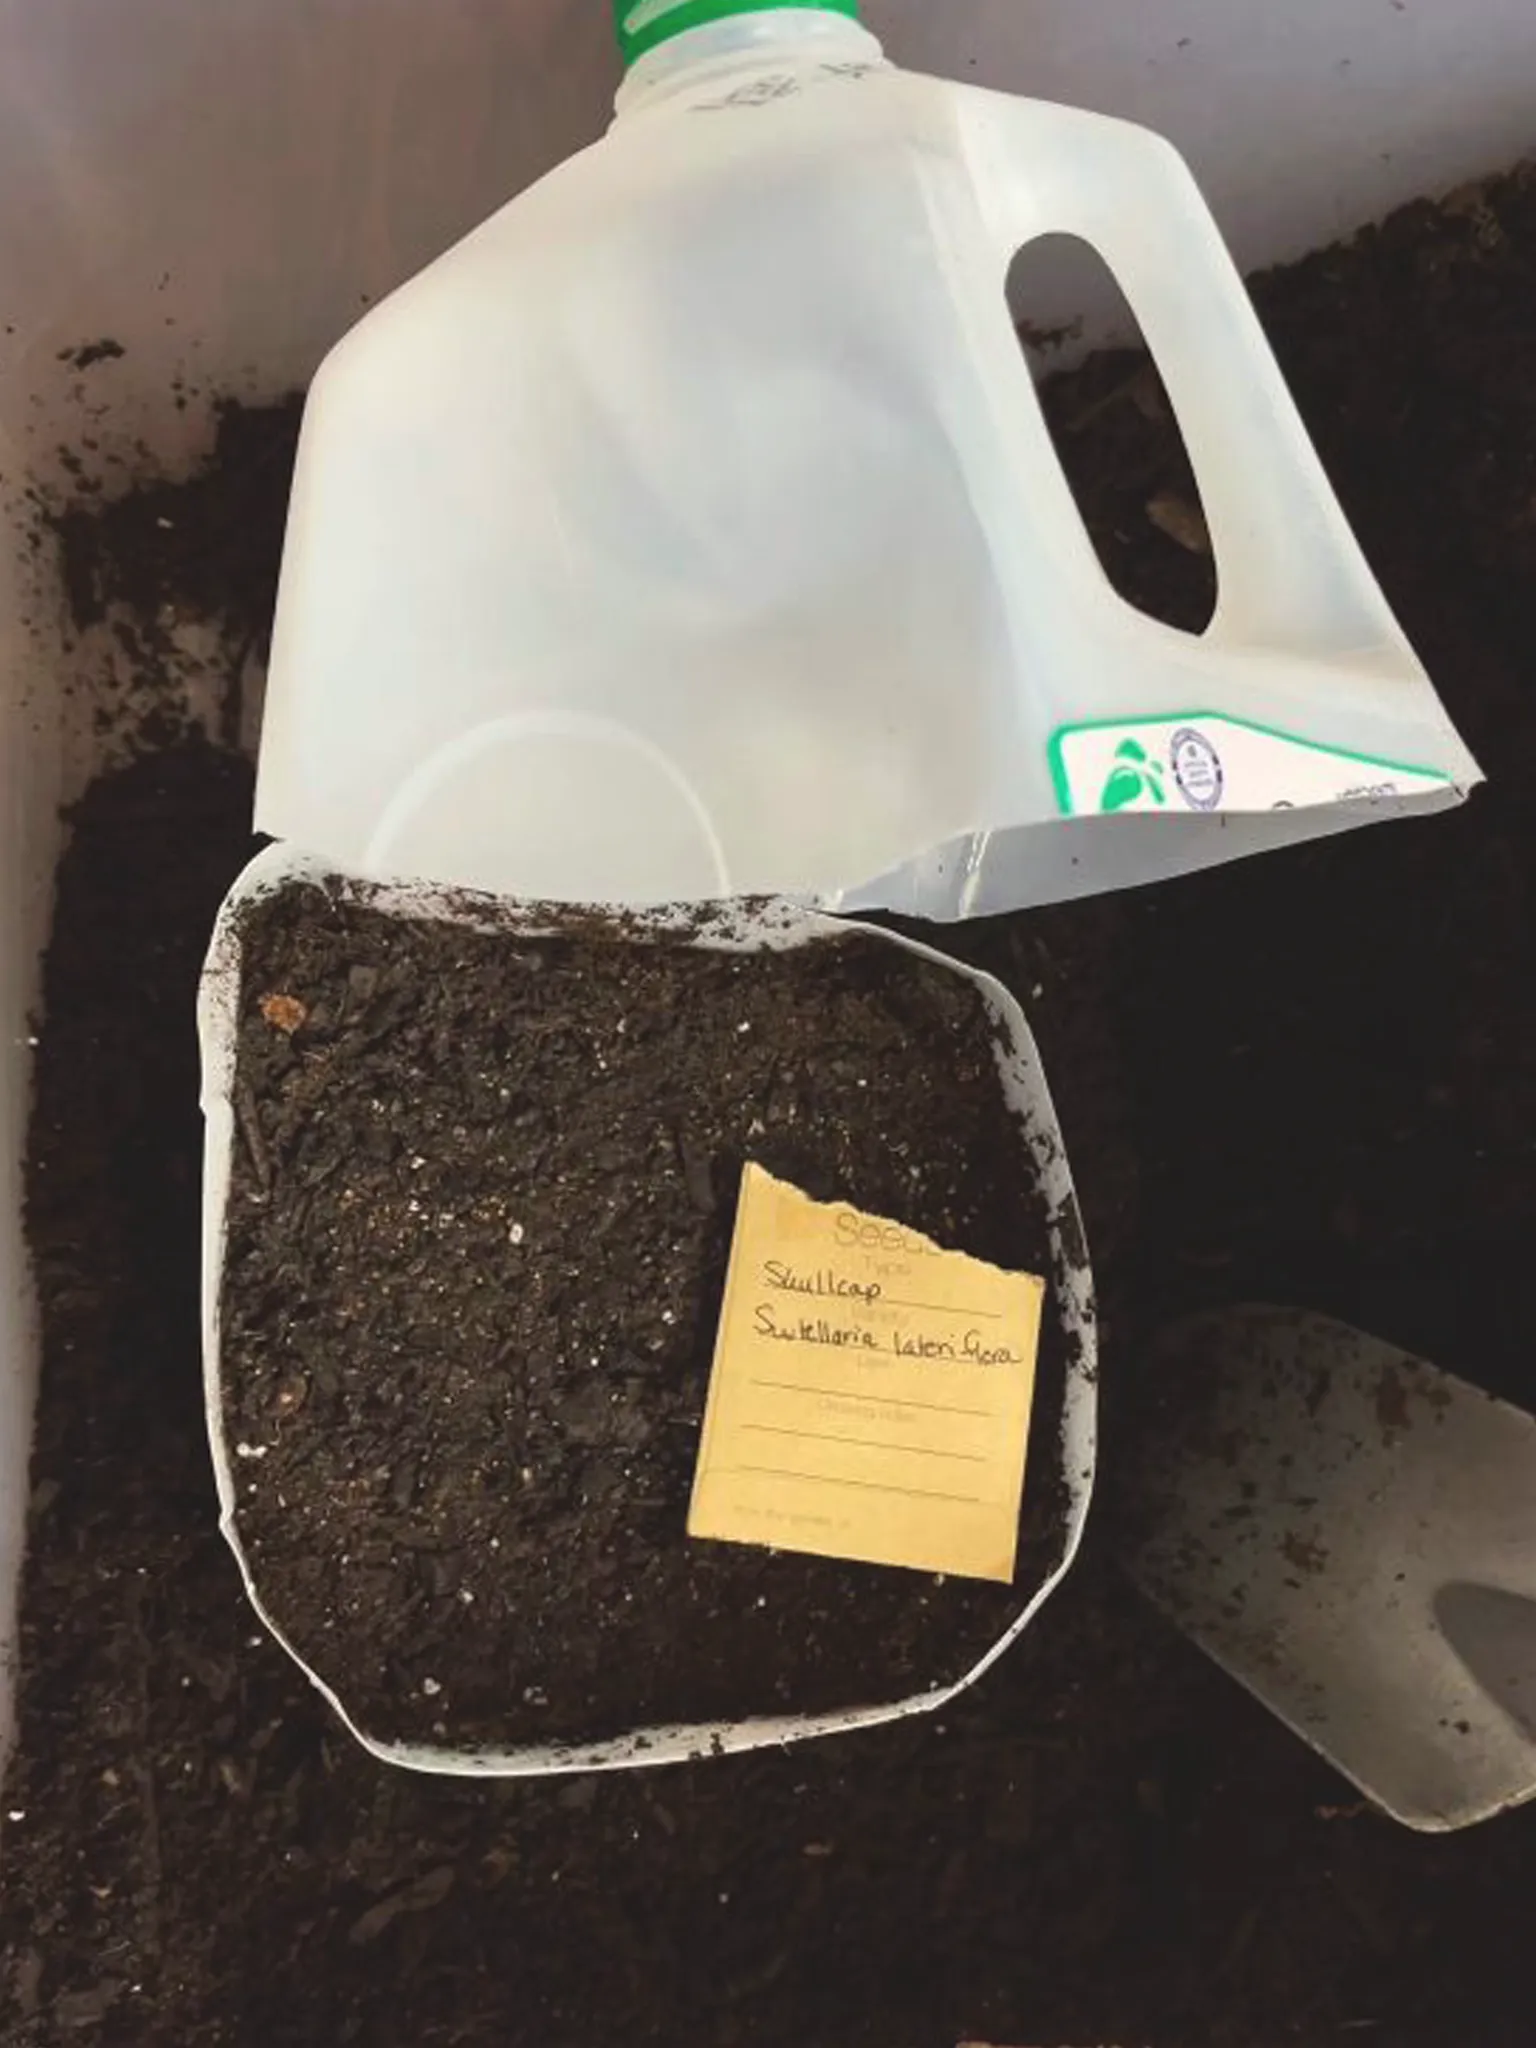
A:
(642, 24)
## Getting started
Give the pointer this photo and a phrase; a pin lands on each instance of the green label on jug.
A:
(643, 24)
(1200, 762)
(1131, 777)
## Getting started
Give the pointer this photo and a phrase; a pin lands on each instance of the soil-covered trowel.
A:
(1352, 1534)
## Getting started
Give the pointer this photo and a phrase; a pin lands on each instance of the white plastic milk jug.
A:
(693, 529)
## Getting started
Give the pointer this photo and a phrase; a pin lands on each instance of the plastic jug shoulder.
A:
(692, 528)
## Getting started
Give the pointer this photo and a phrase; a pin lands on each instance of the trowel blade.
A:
(1352, 1534)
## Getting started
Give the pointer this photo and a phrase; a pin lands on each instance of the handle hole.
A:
(1115, 430)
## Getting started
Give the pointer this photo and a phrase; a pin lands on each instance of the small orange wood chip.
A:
(283, 1013)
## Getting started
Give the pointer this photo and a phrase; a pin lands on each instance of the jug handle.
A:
(1292, 578)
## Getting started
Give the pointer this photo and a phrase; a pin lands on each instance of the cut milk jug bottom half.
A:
(693, 528)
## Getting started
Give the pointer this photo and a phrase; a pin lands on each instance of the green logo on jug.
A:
(1133, 776)
(645, 23)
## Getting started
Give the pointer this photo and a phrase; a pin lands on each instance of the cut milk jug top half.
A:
(693, 528)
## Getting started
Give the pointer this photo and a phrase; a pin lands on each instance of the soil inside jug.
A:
(481, 1205)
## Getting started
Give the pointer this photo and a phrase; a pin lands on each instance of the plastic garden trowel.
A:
(1352, 1534)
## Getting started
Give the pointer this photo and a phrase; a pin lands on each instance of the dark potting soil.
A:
(1106, 1841)
(481, 1206)
(145, 562)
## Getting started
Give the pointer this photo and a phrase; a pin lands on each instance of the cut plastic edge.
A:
(731, 928)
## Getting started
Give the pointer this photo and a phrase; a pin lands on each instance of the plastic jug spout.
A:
(667, 43)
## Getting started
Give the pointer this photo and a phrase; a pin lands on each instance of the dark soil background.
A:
(1106, 1842)
(481, 1205)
